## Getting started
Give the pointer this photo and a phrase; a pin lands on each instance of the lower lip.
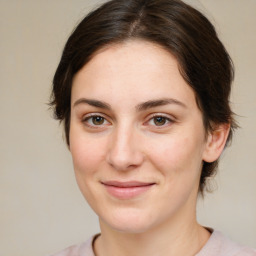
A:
(127, 192)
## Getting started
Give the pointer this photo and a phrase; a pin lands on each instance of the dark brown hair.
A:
(203, 60)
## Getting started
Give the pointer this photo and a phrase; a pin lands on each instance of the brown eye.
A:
(97, 120)
(159, 120)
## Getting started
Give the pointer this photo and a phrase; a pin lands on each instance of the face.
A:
(136, 137)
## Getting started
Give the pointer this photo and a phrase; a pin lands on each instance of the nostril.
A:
(123, 160)
(124, 151)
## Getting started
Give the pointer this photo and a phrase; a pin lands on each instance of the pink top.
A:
(217, 245)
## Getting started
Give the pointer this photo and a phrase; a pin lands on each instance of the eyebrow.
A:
(159, 102)
(94, 103)
(140, 107)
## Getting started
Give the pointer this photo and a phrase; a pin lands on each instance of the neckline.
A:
(205, 247)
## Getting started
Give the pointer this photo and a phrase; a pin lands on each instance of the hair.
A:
(182, 30)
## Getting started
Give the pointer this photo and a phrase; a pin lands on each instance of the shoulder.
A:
(82, 249)
(220, 245)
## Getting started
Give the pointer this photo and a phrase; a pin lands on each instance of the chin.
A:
(129, 227)
(129, 221)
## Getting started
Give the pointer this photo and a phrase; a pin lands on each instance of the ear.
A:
(216, 142)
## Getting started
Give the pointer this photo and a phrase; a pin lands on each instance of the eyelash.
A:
(167, 120)
(85, 120)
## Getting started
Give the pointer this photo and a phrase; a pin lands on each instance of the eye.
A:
(160, 121)
(95, 120)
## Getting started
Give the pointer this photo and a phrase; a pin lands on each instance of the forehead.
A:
(128, 56)
(136, 69)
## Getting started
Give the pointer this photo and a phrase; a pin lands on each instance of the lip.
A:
(127, 189)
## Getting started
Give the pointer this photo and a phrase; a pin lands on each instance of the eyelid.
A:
(86, 117)
(92, 114)
(168, 118)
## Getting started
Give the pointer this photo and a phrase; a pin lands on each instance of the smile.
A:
(127, 190)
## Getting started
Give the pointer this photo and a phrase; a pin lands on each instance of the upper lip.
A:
(126, 184)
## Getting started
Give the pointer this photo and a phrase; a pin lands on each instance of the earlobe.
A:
(216, 142)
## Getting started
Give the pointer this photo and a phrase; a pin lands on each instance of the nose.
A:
(125, 149)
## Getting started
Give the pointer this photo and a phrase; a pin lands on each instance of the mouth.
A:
(128, 189)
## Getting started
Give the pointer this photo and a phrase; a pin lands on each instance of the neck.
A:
(171, 238)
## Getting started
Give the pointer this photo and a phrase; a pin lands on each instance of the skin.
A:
(146, 127)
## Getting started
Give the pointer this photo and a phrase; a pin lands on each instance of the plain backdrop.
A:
(41, 208)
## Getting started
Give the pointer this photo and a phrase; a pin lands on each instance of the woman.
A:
(143, 90)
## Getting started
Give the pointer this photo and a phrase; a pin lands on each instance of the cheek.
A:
(87, 155)
(86, 152)
(179, 162)
(177, 155)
